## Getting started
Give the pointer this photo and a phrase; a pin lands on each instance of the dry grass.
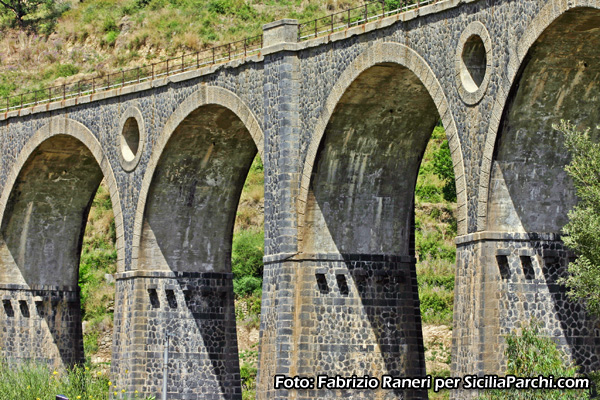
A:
(101, 36)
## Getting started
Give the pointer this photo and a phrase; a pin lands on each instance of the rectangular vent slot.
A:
(171, 298)
(8, 308)
(154, 302)
(322, 283)
(342, 284)
(24, 308)
(527, 267)
(503, 266)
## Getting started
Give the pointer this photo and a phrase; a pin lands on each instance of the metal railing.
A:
(176, 65)
(368, 12)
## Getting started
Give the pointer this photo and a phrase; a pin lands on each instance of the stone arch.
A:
(356, 219)
(66, 126)
(44, 208)
(183, 238)
(377, 54)
(524, 192)
(549, 14)
(205, 95)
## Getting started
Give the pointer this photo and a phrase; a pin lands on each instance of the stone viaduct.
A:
(341, 123)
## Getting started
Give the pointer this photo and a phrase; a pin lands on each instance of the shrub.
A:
(530, 355)
(247, 261)
(110, 38)
(429, 193)
(436, 304)
(582, 236)
(442, 167)
(7, 86)
(246, 285)
(220, 6)
(430, 245)
(248, 373)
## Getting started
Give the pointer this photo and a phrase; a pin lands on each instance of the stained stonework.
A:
(41, 323)
(517, 285)
(340, 122)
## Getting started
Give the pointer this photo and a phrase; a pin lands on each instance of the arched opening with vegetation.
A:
(186, 246)
(530, 194)
(42, 236)
(359, 243)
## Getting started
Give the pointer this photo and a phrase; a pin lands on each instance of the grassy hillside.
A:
(66, 40)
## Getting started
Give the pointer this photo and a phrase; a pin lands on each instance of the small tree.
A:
(21, 8)
(583, 280)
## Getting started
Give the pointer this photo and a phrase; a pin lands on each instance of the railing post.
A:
(167, 67)
(7, 103)
(245, 46)
(383, 7)
(64, 91)
(152, 72)
(316, 28)
(366, 13)
(35, 97)
(331, 23)
(213, 51)
(107, 81)
(348, 18)
(229, 50)
(78, 88)
(93, 85)
(182, 63)
(197, 59)
(122, 78)
(21, 100)
(138, 74)
(49, 94)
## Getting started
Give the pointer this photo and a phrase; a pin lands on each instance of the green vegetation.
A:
(247, 263)
(32, 15)
(435, 230)
(98, 262)
(530, 355)
(582, 230)
(248, 239)
(247, 267)
(39, 382)
(248, 360)
(96, 37)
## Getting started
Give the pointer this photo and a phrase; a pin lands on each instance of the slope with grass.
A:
(64, 41)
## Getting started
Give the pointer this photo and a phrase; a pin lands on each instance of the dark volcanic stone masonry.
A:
(341, 123)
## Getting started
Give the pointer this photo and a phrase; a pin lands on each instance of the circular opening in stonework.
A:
(130, 139)
(474, 63)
